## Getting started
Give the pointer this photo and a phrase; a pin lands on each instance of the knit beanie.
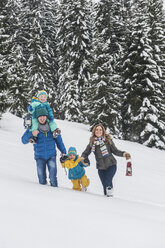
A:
(41, 112)
(42, 92)
(72, 150)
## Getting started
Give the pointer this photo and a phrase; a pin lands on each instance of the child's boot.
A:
(84, 189)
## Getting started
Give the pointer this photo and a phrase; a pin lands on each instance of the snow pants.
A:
(106, 177)
(52, 168)
(77, 183)
(52, 125)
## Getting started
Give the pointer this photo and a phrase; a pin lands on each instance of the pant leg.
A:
(52, 168)
(106, 177)
(53, 126)
(101, 174)
(34, 125)
(76, 184)
(41, 170)
(84, 181)
(110, 172)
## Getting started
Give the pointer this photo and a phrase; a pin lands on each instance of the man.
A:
(45, 148)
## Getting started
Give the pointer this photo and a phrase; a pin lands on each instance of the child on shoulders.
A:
(41, 102)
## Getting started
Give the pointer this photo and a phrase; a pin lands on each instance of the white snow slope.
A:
(33, 215)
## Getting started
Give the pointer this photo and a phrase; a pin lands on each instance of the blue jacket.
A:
(76, 170)
(46, 144)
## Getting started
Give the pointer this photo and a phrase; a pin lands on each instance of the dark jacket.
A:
(103, 163)
(46, 144)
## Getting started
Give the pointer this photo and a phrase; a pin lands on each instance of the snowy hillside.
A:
(39, 216)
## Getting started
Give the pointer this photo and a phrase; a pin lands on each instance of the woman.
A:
(103, 147)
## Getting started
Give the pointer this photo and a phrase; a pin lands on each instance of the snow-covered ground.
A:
(32, 215)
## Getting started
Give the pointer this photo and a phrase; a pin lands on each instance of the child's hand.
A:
(85, 161)
(56, 133)
(51, 118)
(30, 108)
(35, 133)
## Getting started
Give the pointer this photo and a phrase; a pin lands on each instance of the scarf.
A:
(43, 128)
(101, 142)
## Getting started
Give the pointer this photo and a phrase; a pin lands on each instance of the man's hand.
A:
(63, 159)
(35, 133)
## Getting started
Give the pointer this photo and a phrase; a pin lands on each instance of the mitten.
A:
(56, 132)
(86, 160)
(51, 118)
(29, 108)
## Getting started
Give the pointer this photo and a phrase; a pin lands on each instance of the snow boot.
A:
(109, 191)
(84, 189)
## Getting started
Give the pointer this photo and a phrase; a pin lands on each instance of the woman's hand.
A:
(126, 155)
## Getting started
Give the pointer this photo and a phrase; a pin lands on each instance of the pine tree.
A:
(5, 33)
(37, 43)
(156, 35)
(74, 52)
(17, 92)
(140, 106)
(105, 83)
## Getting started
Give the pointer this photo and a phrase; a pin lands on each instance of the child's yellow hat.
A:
(42, 92)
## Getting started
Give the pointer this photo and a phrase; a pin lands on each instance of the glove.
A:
(63, 159)
(30, 108)
(86, 160)
(56, 132)
(51, 118)
(127, 155)
(33, 140)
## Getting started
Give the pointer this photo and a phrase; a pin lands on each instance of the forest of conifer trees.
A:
(100, 62)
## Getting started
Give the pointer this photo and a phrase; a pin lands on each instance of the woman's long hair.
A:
(105, 135)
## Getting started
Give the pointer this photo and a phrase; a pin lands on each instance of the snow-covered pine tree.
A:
(37, 39)
(17, 95)
(5, 32)
(74, 52)
(49, 26)
(156, 35)
(104, 100)
(163, 62)
(140, 110)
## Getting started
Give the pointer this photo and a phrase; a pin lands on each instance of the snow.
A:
(38, 216)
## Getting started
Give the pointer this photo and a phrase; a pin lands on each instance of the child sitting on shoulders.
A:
(41, 102)
(75, 165)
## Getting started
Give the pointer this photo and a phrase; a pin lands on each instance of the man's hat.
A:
(41, 112)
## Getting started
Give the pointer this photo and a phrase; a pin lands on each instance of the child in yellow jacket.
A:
(75, 165)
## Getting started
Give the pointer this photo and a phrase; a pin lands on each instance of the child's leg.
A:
(34, 125)
(84, 181)
(53, 126)
(76, 184)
